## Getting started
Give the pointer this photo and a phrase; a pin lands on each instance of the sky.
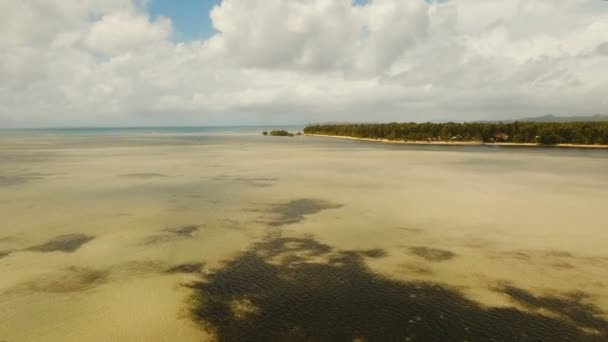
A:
(190, 18)
(262, 62)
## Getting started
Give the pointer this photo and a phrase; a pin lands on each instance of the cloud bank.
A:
(106, 62)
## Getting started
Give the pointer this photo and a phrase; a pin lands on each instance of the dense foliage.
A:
(281, 133)
(548, 133)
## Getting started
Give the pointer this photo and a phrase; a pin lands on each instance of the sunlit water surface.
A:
(223, 234)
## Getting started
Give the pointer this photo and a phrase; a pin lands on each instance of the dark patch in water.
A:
(296, 210)
(559, 254)
(518, 255)
(416, 269)
(432, 254)
(562, 265)
(287, 289)
(9, 180)
(186, 268)
(65, 243)
(410, 229)
(260, 182)
(574, 307)
(373, 253)
(183, 231)
(156, 239)
(72, 279)
(8, 239)
(233, 224)
(260, 185)
(144, 175)
(476, 242)
(141, 267)
(255, 179)
(24, 156)
(172, 234)
(5, 254)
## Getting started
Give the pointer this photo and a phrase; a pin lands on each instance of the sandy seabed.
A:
(194, 238)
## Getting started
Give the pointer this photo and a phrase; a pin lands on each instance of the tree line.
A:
(281, 133)
(546, 133)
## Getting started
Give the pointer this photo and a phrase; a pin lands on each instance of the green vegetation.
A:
(545, 133)
(280, 133)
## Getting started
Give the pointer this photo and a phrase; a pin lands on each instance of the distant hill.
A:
(544, 118)
(553, 118)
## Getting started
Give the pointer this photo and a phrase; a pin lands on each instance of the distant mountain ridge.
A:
(553, 118)
(544, 118)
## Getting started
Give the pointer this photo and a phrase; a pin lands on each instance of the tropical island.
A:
(568, 134)
(280, 133)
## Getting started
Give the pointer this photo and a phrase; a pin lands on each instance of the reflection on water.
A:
(143, 235)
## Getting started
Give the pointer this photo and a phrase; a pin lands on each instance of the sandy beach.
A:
(458, 143)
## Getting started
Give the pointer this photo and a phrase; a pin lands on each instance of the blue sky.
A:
(190, 18)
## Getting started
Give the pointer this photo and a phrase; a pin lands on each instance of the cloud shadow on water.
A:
(298, 289)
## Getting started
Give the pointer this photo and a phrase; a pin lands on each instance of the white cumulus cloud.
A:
(107, 62)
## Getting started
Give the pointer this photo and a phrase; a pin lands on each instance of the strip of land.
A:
(546, 134)
(457, 143)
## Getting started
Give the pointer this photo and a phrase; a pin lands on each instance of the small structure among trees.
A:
(501, 137)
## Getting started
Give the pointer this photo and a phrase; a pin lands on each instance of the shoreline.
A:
(457, 143)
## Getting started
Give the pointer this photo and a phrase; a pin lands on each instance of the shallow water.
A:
(165, 235)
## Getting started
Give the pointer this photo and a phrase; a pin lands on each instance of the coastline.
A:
(457, 143)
